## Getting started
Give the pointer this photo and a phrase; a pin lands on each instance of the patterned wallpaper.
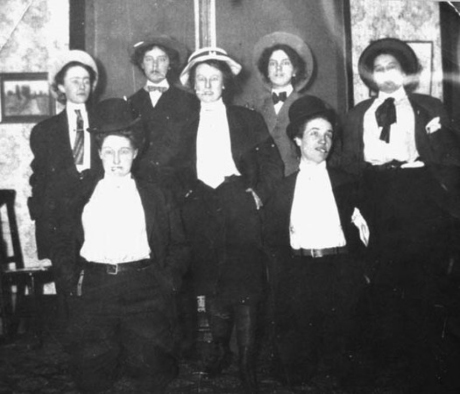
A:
(31, 33)
(408, 20)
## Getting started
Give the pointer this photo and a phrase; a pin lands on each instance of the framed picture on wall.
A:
(424, 52)
(25, 97)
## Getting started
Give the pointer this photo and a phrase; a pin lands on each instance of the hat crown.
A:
(114, 114)
(305, 107)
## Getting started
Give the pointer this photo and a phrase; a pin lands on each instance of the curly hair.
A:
(298, 63)
(174, 59)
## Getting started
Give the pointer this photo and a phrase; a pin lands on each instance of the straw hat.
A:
(208, 53)
(74, 55)
(296, 43)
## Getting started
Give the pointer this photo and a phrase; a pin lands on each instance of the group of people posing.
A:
(284, 217)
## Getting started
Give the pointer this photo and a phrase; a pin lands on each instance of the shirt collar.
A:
(308, 166)
(72, 107)
(288, 89)
(398, 95)
(163, 84)
(211, 107)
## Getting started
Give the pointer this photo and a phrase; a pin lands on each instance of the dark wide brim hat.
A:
(164, 41)
(74, 55)
(393, 46)
(307, 108)
(208, 53)
(296, 43)
(112, 116)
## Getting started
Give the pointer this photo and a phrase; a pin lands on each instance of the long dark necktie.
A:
(279, 97)
(386, 116)
(78, 146)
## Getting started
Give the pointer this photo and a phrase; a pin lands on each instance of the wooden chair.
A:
(29, 281)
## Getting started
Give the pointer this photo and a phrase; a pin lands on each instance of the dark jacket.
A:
(169, 250)
(253, 150)
(54, 175)
(163, 127)
(440, 151)
(223, 223)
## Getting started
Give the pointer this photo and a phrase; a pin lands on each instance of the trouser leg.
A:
(221, 324)
(245, 320)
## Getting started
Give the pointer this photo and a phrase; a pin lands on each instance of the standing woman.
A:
(230, 166)
(285, 66)
(122, 249)
(63, 149)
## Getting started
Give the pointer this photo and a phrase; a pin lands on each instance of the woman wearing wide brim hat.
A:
(230, 166)
(122, 251)
(400, 50)
(285, 66)
(404, 149)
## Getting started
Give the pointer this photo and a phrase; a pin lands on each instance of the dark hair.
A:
(174, 61)
(298, 63)
(228, 77)
(299, 129)
(134, 135)
(60, 76)
(403, 61)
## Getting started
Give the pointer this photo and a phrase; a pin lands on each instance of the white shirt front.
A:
(114, 223)
(213, 145)
(402, 133)
(72, 123)
(315, 221)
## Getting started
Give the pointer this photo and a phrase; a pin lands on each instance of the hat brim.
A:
(164, 41)
(185, 74)
(296, 43)
(74, 55)
(402, 51)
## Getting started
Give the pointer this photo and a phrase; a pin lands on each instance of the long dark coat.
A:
(223, 223)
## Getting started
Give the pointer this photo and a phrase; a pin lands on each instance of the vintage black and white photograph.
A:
(229, 197)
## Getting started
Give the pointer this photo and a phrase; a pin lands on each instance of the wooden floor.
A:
(28, 368)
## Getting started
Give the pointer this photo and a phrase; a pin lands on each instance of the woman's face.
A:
(117, 155)
(76, 85)
(155, 64)
(209, 83)
(280, 69)
(388, 73)
(316, 141)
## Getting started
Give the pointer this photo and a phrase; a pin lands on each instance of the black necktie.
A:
(279, 97)
(386, 116)
(78, 146)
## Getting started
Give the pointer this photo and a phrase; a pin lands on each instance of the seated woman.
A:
(309, 233)
(121, 252)
(231, 164)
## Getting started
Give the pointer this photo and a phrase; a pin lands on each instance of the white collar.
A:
(72, 107)
(213, 106)
(309, 166)
(163, 84)
(398, 95)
